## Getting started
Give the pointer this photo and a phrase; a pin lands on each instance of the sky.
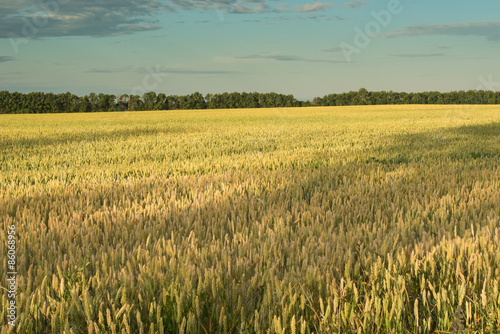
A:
(304, 48)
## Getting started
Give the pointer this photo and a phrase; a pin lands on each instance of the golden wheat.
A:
(315, 220)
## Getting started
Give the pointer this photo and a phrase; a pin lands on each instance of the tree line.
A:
(19, 103)
(38, 102)
(364, 97)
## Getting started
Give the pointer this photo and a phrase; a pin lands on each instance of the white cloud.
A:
(318, 6)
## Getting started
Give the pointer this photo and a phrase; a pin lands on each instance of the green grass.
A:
(327, 220)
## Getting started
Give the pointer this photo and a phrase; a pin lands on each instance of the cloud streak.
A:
(164, 71)
(288, 58)
(242, 9)
(229, 6)
(355, 4)
(318, 6)
(4, 59)
(418, 55)
(489, 29)
(334, 49)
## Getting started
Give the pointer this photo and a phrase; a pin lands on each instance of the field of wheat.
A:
(380, 219)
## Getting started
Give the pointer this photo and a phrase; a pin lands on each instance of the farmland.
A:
(369, 219)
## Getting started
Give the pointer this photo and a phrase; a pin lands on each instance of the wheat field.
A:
(379, 219)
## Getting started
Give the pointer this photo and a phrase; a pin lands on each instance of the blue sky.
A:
(303, 48)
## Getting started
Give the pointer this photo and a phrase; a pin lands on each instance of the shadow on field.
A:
(463, 142)
(92, 135)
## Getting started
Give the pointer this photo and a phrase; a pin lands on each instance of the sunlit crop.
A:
(380, 219)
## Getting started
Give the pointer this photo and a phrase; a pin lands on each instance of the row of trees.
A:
(364, 97)
(17, 103)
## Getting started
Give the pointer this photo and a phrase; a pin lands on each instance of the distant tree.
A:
(134, 103)
(252, 100)
(84, 105)
(105, 102)
(149, 101)
(4, 102)
(122, 102)
(173, 102)
(362, 97)
(161, 102)
(197, 101)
